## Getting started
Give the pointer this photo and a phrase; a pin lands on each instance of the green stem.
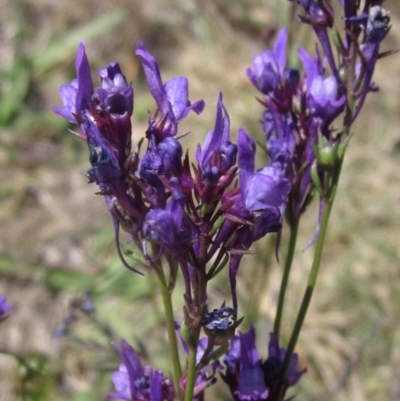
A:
(169, 316)
(312, 279)
(191, 375)
(285, 278)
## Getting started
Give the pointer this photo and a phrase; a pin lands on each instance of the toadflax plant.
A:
(195, 218)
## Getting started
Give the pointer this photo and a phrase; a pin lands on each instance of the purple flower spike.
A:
(76, 96)
(4, 308)
(133, 382)
(268, 67)
(172, 98)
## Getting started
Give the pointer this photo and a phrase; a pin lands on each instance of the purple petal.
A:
(177, 90)
(311, 67)
(154, 80)
(280, 49)
(156, 386)
(273, 347)
(251, 381)
(217, 136)
(85, 87)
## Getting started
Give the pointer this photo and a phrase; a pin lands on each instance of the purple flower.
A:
(114, 108)
(273, 364)
(262, 190)
(133, 382)
(172, 98)
(4, 308)
(217, 158)
(160, 163)
(248, 377)
(268, 67)
(281, 142)
(170, 227)
(244, 374)
(76, 95)
(216, 138)
(115, 95)
(323, 99)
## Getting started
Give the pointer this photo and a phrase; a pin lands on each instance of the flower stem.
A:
(285, 278)
(312, 279)
(169, 316)
(191, 374)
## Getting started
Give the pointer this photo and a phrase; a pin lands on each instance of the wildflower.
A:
(172, 98)
(217, 158)
(268, 67)
(273, 364)
(251, 378)
(264, 189)
(323, 99)
(170, 227)
(134, 382)
(244, 374)
(5, 308)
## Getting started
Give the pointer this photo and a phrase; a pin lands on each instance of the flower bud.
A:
(326, 154)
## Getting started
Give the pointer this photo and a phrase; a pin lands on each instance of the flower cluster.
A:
(201, 216)
(301, 108)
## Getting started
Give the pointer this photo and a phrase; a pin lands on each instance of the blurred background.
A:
(56, 242)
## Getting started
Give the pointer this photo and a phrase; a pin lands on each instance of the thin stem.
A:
(169, 316)
(312, 279)
(191, 374)
(285, 277)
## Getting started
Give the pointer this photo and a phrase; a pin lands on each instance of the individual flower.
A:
(216, 159)
(135, 382)
(170, 227)
(159, 164)
(323, 98)
(244, 374)
(113, 103)
(172, 98)
(5, 308)
(251, 378)
(268, 67)
(115, 95)
(264, 189)
(273, 364)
